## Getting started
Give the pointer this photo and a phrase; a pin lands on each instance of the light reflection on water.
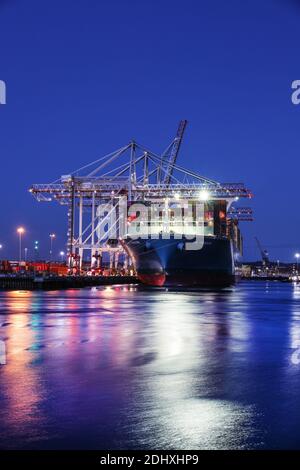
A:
(123, 367)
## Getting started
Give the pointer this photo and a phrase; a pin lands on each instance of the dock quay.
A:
(268, 278)
(61, 282)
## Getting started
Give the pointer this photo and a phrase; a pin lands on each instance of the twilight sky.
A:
(84, 77)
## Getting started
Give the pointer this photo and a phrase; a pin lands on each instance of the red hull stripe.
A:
(152, 279)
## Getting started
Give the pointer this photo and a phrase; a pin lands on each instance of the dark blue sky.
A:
(85, 77)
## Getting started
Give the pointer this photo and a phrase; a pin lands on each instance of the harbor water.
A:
(123, 367)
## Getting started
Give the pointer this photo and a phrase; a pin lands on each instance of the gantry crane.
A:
(263, 253)
(136, 173)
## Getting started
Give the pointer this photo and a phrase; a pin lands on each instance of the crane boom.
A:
(174, 151)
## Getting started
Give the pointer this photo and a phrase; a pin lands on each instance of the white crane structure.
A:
(134, 172)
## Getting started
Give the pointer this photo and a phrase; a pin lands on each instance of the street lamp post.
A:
(36, 249)
(52, 236)
(62, 254)
(297, 256)
(20, 231)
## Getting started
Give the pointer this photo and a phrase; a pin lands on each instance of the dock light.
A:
(0, 246)
(20, 231)
(36, 249)
(177, 196)
(52, 236)
(204, 195)
(297, 256)
(62, 254)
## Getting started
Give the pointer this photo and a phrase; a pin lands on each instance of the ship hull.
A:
(167, 262)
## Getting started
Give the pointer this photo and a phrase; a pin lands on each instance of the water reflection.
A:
(20, 394)
(123, 367)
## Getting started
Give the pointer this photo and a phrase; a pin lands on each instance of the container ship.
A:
(208, 255)
(163, 254)
(200, 247)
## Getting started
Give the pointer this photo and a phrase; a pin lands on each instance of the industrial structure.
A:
(134, 172)
(263, 253)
